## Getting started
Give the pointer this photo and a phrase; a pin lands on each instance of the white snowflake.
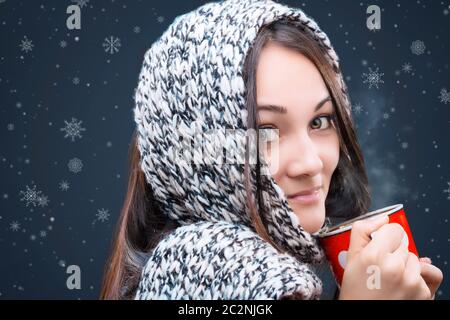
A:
(160, 19)
(30, 196)
(81, 3)
(75, 165)
(386, 116)
(444, 96)
(63, 43)
(112, 44)
(357, 108)
(407, 68)
(26, 44)
(76, 81)
(373, 78)
(43, 233)
(404, 145)
(418, 47)
(137, 29)
(73, 129)
(43, 201)
(64, 185)
(10, 126)
(102, 215)
(14, 226)
(447, 190)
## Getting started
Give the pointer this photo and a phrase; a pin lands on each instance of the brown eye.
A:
(319, 122)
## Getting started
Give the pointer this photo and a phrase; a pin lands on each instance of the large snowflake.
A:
(73, 129)
(112, 44)
(26, 44)
(75, 165)
(444, 96)
(102, 215)
(30, 196)
(418, 47)
(373, 78)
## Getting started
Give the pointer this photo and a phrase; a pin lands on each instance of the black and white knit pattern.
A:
(191, 83)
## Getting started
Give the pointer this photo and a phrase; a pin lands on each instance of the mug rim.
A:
(347, 225)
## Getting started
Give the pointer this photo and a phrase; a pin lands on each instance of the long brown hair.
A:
(141, 224)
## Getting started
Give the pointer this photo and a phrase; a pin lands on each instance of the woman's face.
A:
(308, 145)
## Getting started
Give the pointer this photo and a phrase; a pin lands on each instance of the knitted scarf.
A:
(191, 83)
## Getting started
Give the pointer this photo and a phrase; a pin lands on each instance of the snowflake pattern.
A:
(43, 201)
(81, 3)
(357, 109)
(444, 96)
(64, 185)
(447, 190)
(75, 165)
(112, 44)
(14, 226)
(418, 47)
(26, 45)
(407, 68)
(30, 196)
(73, 129)
(102, 215)
(373, 78)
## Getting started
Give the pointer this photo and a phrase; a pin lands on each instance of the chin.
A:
(313, 228)
(311, 218)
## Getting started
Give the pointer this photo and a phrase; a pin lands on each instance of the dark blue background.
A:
(402, 126)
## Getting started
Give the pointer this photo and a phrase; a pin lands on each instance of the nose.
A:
(304, 158)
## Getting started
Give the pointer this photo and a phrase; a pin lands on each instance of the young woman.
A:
(197, 226)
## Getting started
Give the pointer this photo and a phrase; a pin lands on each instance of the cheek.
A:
(329, 153)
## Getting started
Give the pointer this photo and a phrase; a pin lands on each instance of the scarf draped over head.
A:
(189, 103)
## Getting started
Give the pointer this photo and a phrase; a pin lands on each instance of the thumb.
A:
(361, 233)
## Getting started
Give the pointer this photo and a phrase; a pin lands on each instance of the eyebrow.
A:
(281, 109)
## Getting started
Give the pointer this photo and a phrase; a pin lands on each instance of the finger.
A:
(412, 270)
(388, 239)
(426, 260)
(361, 231)
(432, 276)
(402, 252)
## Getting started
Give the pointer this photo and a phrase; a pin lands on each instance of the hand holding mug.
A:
(374, 257)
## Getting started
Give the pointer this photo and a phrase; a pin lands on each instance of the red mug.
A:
(336, 240)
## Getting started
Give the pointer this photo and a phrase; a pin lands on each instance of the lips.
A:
(308, 192)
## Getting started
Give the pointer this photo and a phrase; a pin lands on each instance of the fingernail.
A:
(426, 260)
